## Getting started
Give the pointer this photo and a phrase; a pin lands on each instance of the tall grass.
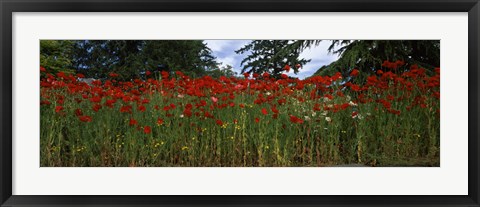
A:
(322, 121)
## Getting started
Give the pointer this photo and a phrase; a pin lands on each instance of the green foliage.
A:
(129, 58)
(192, 57)
(368, 55)
(56, 55)
(270, 56)
(226, 71)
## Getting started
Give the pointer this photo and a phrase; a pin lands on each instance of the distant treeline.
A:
(128, 58)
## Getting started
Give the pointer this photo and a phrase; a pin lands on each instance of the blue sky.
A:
(224, 50)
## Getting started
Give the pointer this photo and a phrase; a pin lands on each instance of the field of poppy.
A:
(390, 118)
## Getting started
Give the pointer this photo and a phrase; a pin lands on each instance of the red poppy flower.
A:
(264, 111)
(58, 109)
(78, 112)
(45, 102)
(354, 114)
(354, 72)
(296, 120)
(148, 73)
(187, 112)
(133, 122)
(287, 68)
(126, 109)
(113, 75)
(142, 108)
(96, 99)
(96, 107)
(85, 118)
(147, 129)
(219, 122)
(257, 120)
(159, 121)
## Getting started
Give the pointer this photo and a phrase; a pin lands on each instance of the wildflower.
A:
(113, 75)
(219, 122)
(147, 129)
(354, 114)
(58, 109)
(159, 121)
(296, 120)
(85, 118)
(184, 148)
(328, 119)
(257, 120)
(126, 109)
(78, 112)
(214, 100)
(287, 68)
(264, 111)
(96, 107)
(133, 122)
(354, 72)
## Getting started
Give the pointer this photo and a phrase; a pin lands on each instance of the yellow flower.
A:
(184, 148)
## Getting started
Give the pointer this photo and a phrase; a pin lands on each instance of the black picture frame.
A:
(7, 7)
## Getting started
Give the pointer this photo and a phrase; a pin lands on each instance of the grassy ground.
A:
(387, 120)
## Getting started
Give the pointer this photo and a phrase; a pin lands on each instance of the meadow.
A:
(389, 118)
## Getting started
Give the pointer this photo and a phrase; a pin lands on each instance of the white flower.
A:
(180, 96)
(349, 98)
(352, 104)
(358, 116)
(328, 119)
(314, 114)
(181, 116)
(324, 113)
(325, 99)
(307, 118)
(267, 93)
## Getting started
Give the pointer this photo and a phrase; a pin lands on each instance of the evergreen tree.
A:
(270, 56)
(368, 55)
(56, 55)
(132, 58)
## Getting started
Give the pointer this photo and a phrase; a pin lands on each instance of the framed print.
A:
(264, 103)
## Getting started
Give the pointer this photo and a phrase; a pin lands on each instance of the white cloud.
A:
(224, 50)
(216, 45)
(227, 61)
(319, 57)
(221, 45)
